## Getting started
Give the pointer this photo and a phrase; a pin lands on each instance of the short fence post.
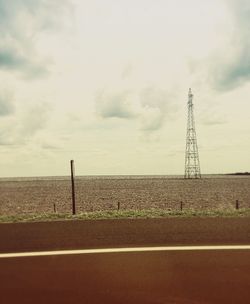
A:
(118, 206)
(54, 208)
(237, 206)
(181, 206)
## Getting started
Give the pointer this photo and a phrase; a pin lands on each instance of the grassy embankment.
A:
(124, 214)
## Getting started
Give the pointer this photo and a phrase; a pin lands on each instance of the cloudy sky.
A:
(105, 83)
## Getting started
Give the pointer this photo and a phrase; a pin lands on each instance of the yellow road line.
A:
(124, 250)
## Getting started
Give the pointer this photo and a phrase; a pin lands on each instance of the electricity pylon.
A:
(192, 163)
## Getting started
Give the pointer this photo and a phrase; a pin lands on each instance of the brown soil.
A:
(96, 194)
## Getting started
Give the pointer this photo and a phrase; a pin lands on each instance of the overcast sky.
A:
(105, 83)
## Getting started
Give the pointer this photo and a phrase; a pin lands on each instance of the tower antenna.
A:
(192, 163)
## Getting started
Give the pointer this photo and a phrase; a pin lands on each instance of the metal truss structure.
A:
(192, 163)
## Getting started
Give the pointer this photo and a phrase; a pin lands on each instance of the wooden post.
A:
(118, 206)
(181, 206)
(54, 207)
(73, 186)
(237, 206)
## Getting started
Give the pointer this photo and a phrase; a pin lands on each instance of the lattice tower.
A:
(192, 163)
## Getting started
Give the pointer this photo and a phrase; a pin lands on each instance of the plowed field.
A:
(38, 195)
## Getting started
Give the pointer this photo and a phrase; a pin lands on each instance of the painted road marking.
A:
(123, 250)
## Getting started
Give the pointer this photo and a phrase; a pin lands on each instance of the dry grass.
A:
(126, 214)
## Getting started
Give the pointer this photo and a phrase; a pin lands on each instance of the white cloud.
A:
(20, 24)
(6, 103)
(116, 105)
(139, 52)
(227, 67)
(157, 106)
(24, 125)
(150, 106)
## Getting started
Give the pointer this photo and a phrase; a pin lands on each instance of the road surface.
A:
(186, 276)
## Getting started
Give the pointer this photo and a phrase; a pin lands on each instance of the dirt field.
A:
(23, 196)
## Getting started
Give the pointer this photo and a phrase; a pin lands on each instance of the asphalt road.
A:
(123, 233)
(220, 276)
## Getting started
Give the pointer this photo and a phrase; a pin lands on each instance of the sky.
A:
(106, 83)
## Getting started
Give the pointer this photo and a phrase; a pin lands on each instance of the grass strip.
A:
(124, 214)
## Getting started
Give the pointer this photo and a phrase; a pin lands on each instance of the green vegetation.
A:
(125, 214)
